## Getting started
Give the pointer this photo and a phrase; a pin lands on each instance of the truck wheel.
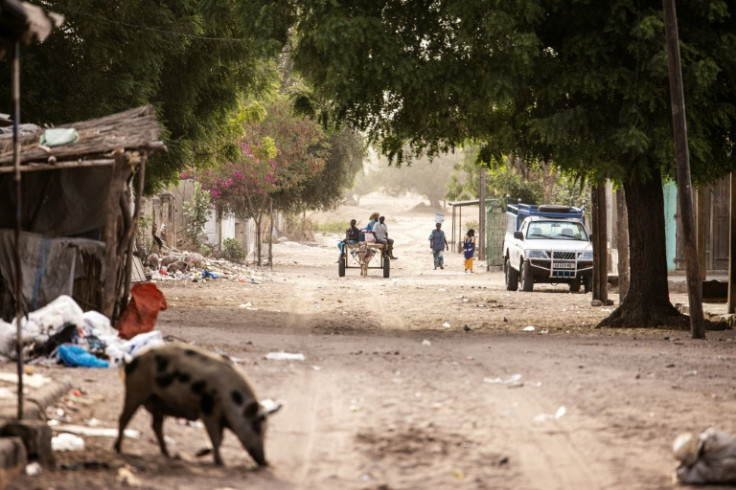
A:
(527, 278)
(512, 276)
(341, 266)
(575, 286)
(386, 266)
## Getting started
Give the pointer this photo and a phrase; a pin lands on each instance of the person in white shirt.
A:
(380, 230)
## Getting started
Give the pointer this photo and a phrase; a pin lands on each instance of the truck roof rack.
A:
(546, 210)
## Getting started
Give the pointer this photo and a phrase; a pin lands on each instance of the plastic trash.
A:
(708, 458)
(546, 416)
(58, 137)
(125, 351)
(98, 324)
(67, 442)
(127, 478)
(426, 342)
(7, 338)
(48, 320)
(514, 378)
(560, 412)
(284, 356)
(446, 325)
(34, 469)
(95, 431)
(31, 381)
(64, 335)
(528, 329)
(142, 311)
(75, 356)
(209, 275)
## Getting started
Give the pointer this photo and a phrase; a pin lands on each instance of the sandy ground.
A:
(426, 380)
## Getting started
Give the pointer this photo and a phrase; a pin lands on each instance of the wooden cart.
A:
(384, 261)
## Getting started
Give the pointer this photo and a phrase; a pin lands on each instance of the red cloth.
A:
(142, 311)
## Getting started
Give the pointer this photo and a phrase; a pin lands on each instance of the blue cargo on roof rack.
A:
(521, 211)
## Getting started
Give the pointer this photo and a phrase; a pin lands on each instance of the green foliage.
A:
(195, 214)
(336, 227)
(325, 189)
(501, 182)
(277, 155)
(471, 224)
(232, 250)
(437, 69)
(582, 84)
(192, 60)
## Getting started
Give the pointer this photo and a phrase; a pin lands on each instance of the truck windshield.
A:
(555, 230)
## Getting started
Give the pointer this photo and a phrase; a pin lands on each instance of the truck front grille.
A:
(563, 255)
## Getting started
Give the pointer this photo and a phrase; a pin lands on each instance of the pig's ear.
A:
(251, 410)
(270, 407)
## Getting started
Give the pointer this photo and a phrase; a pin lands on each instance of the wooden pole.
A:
(37, 167)
(111, 235)
(595, 230)
(18, 215)
(685, 194)
(732, 248)
(452, 235)
(270, 234)
(482, 215)
(131, 237)
(701, 229)
(602, 241)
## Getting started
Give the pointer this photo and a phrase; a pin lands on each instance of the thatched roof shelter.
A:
(76, 220)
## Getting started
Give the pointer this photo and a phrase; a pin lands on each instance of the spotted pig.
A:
(184, 381)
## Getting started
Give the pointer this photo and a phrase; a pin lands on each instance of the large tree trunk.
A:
(622, 244)
(647, 304)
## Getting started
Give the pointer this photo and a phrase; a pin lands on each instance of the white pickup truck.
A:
(547, 244)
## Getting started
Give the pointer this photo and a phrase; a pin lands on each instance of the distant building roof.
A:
(472, 202)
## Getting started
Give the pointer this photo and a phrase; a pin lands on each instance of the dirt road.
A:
(426, 380)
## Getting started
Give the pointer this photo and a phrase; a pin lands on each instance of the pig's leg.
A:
(214, 430)
(132, 403)
(157, 425)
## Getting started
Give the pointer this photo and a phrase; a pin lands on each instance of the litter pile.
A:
(706, 458)
(61, 332)
(193, 266)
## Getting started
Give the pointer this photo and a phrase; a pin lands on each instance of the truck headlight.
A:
(536, 254)
(585, 256)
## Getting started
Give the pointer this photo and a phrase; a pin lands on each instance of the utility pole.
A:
(482, 215)
(600, 243)
(731, 306)
(684, 183)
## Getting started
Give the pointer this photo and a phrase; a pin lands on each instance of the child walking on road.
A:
(469, 250)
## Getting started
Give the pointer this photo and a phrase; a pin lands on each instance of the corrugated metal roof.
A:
(471, 202)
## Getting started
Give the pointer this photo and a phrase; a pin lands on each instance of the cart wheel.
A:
(386, 266)
(341, 266)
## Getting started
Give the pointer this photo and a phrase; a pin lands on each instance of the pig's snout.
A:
(258, 455)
